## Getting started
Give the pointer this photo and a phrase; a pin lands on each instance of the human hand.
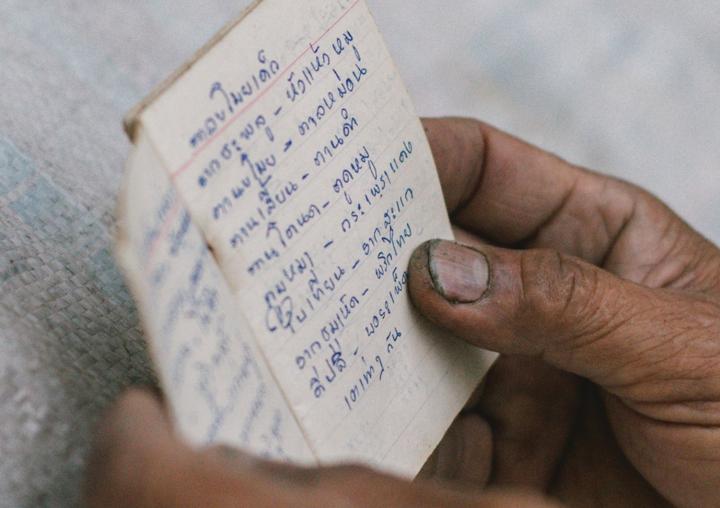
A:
(606, 307)
(649, 409)
(138, 461)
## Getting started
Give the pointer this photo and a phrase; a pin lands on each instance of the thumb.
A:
(133, 446)
(572, 314)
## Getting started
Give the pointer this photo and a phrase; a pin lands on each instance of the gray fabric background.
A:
(627, 87)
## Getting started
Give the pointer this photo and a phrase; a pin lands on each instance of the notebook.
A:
(277, 186)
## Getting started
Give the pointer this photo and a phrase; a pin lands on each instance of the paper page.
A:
(215, 380)
(299, 156)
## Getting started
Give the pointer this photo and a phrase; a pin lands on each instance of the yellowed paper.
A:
(216, 382)
(298, 155)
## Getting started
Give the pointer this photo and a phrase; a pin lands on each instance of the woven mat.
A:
(628, 87)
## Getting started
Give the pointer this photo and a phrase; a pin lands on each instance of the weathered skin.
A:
(605, 307)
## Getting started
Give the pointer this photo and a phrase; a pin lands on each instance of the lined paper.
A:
(215, 379)
(295, 151)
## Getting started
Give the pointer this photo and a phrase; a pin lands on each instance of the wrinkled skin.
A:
(605, 307)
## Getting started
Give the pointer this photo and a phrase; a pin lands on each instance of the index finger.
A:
(511, 193)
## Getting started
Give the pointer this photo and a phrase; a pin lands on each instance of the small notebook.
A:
(277, 186)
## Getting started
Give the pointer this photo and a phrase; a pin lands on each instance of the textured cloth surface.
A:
(625, 87)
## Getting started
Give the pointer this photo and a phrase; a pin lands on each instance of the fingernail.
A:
(460, 274)
(233, 457)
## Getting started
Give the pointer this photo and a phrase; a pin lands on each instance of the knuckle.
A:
(701, 329)
(556, 290)
(551, 282)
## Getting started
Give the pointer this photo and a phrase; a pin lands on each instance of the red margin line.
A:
(232, 120)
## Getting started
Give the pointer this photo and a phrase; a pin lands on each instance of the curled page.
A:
(295, 149)
(217, 385)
